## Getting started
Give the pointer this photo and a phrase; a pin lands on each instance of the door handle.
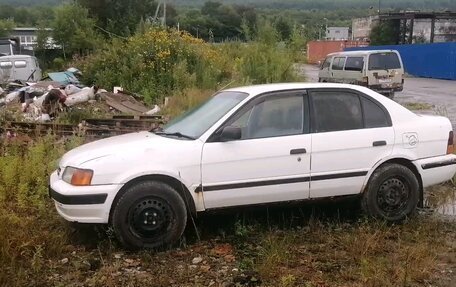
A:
(298, 151)
(379, 143)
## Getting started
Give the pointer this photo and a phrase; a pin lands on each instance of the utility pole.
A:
(326, 28)
(164, 14)
(378, 7)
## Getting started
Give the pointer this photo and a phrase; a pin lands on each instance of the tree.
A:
(73, 29)
(121, 16)
(5, 27)
(384, 33)
(42, 36)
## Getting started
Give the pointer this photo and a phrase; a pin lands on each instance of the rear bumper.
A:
(385, 88)
(85, 204)
(436, 170)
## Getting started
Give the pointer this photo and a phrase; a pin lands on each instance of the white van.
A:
(381, 70)
(19, 67)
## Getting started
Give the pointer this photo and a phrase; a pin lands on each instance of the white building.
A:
(337, 33)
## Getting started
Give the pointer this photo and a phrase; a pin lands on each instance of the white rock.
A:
(155, 110)
(197, 260)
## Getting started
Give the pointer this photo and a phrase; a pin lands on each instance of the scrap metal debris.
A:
(89, 128)
(36, 106)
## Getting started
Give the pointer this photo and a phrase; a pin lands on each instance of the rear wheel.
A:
(392, 193)
(150, 214)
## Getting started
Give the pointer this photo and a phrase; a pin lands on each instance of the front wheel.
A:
(150, 214)
(392, 193)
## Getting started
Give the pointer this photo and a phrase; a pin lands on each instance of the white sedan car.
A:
(256, 145)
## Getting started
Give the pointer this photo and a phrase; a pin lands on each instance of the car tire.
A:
(150, 214)
(392, 193)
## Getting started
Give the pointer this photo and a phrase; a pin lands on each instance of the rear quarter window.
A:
(374, 115)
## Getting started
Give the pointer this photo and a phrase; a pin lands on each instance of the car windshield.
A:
(384, 61)
(195, 122)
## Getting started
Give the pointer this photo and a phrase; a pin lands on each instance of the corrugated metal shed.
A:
(436, 60)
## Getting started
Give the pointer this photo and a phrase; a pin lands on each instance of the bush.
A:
(154, 64)
(161, 63)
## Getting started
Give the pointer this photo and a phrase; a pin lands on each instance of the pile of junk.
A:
(41, 102)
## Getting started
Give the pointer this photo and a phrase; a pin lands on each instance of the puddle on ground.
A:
(442, 199)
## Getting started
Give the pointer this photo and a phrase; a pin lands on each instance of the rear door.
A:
(354, 71)
(351, 133)
(385, 70)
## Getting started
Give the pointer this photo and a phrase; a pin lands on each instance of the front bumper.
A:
(435, 170)
(85, 204)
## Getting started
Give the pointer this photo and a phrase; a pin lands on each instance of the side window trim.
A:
(261, 98)
(359, 94)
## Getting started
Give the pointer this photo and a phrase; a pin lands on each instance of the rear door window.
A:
(384, 61)
(336, 111)
(354, 64)
(338, 63)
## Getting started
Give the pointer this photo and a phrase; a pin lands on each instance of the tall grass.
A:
(30, 230)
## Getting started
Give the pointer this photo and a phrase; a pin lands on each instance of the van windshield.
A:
(195, 122)
(384, 61)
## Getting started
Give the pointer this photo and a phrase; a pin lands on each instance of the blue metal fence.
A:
(436, 60)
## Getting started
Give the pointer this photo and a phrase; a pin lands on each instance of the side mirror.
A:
(230, 133)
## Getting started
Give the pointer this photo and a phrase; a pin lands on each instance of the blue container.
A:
(437, 60)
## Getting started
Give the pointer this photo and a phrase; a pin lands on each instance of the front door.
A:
(271, 161)
(351, 133)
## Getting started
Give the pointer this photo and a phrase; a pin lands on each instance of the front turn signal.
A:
(77, 176)
(450, 146)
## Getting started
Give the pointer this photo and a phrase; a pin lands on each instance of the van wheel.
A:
(150, 214)
(392, 193)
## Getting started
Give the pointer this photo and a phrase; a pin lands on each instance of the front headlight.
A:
(77, 176)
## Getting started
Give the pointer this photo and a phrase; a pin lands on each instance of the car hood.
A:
(123, 145)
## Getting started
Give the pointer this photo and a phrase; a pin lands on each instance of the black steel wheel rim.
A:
(150, 217)
(393, 196)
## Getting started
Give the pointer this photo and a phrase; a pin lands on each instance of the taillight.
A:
(450, 147)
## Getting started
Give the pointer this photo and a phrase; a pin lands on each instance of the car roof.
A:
(260, 89)
(360, 52)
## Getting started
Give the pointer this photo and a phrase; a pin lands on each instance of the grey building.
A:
(337, 33)
(412, 27)
(28, 37)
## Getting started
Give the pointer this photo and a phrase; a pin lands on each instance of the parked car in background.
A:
(257, 145)
(381, 71)
(19, 68)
